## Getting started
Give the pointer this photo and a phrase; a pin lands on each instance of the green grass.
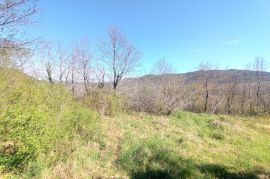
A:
(184, 145)
(46, 134)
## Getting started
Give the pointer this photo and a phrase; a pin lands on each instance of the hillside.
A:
(46, 134)
(219, 76)
(40, 124)
(216, 91)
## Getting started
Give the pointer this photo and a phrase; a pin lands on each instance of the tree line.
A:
(206, 90)
(115, 58)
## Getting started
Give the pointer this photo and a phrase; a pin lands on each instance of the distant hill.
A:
(217, 76)
(215, 91)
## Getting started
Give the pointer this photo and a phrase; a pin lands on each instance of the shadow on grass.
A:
(222, 172)
(202, 171)
(165, 169)
(152, 174)
(152, 159)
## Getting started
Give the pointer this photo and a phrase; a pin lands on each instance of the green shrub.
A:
(35, 117)
(218, 136)
(115, 105)
(104, 101)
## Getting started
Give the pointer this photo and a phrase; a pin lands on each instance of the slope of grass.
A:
(40, 124)
(184, 145)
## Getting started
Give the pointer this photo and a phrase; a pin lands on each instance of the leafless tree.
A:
(259, 68)
(217, 99)
(47, 60)
(72, 71)
(49, 67)
(67, 75)
(170, 96)
(205, 68)
(84, 57)
(162, 67)
(244, 92)
(15, 14)
(248, 84)
(230, 91)
(100, 74)
(14, 58)
(62, 58)
(119, 54)
(14, 46)
(168, 86)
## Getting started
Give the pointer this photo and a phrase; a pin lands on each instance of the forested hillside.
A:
(242, 92)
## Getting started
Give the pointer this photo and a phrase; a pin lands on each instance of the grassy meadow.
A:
(183, 145)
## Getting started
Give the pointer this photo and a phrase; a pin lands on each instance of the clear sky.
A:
(230, 33)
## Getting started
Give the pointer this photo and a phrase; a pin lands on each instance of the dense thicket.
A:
(39, 123)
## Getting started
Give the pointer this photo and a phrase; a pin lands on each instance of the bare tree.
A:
(205, 68)
(162, 67)
(119, 54)
(217, 99)
(170, 96)
(230, 91)
(248, 84)
(83, 56)
(13, 15)
(169, 88)
(49, 67)
(259, 68)
(47, 59)
(100, 73)
(14, 46)
(14, 58)
(72, 71)
(244, 92)
(62, 58)
(67, 74)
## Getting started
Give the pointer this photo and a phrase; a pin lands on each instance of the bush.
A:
(105, 101)
(35, 117)
(162, 100)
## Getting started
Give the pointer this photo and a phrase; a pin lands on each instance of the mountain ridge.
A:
(195, 76)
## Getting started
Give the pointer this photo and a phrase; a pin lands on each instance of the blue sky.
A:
(229, 33)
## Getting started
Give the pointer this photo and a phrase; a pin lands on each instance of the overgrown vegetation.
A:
(106, 102)
(46, 134)
(233, 92)
(184, 145)
(39, 123)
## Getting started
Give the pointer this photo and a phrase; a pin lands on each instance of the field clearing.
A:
(183, 145)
